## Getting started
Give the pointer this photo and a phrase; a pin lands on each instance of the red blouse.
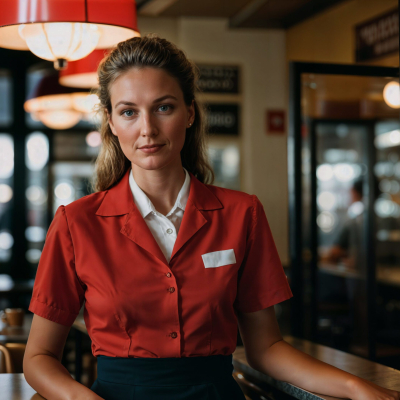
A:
(98, 249)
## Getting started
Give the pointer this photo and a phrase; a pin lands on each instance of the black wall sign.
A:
(223, 118)
(377, 37)
(219, 79)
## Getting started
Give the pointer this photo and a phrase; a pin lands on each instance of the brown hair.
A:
(149, 51)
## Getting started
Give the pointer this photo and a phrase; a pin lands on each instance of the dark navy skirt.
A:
(186, 378)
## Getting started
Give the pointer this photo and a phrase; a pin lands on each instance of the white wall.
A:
(261, 54)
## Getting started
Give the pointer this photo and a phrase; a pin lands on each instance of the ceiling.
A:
(281, 14)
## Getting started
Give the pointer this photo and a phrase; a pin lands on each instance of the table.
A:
(381, 375)
(14, 386)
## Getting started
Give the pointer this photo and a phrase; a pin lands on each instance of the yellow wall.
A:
(330, 37)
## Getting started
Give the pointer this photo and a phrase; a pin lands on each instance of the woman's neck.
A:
(161, 186)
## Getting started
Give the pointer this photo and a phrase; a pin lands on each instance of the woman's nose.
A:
(148, 125)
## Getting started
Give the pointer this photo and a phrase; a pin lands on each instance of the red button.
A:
(171, 289)
(174, 335)
(168, 274)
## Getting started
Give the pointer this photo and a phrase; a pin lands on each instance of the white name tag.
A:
(219, 258)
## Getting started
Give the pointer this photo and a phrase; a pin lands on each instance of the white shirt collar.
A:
(144, 204)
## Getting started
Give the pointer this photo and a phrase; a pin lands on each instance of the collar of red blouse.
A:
(119, 201)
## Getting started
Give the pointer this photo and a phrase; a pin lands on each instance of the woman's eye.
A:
(127, 111)
(165, 107)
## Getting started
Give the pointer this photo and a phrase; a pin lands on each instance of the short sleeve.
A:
(58, 293)
(261, 280)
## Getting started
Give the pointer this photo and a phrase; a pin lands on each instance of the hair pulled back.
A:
(148, 51)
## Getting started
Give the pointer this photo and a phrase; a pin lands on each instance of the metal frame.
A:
(298, 317)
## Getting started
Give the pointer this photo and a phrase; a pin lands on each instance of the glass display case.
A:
(344, 152)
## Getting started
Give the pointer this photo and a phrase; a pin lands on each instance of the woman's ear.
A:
(110, 123)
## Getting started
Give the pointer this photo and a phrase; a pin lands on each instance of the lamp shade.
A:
(65, 30)
(83, 73)
(57, 106)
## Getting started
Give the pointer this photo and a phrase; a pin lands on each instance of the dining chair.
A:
(11, 357)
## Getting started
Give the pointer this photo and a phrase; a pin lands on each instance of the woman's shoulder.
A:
(86, 204)
(232, 196)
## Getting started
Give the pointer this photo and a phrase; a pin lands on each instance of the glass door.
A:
(344, 208)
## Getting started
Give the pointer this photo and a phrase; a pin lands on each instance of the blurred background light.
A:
(391, 94)
(36, 195)
(6, 240)
(230, 161)
(388, 139)
(326, 221)
(324, 172)
(35, 234)
(6, 193)
(385, 208)
(355, 209)
(6, 282)
(93, 139)
(6, 156)
(344, 172)
(64, 191)
(37, 155)
(326, 200)
(33, 255)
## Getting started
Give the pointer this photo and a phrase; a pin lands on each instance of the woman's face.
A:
(148, 109)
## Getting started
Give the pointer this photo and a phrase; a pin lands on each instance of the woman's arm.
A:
(42, 363)
(267, 352)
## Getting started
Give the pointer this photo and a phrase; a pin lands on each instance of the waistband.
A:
(164, 371)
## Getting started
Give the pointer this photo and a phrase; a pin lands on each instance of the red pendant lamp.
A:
(59, 107)
(66, 30)
(83, 73)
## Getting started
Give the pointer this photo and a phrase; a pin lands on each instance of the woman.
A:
(162, 308)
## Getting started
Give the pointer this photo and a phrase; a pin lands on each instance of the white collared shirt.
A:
(164, 228)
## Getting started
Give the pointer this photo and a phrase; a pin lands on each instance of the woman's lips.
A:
(153, 149)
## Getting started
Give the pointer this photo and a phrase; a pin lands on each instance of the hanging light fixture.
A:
(83, 73)
(66, 30)
(59, 107)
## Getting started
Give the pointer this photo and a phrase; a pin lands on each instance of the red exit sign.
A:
(276, 122)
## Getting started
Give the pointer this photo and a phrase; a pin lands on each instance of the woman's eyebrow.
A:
(129, 103)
